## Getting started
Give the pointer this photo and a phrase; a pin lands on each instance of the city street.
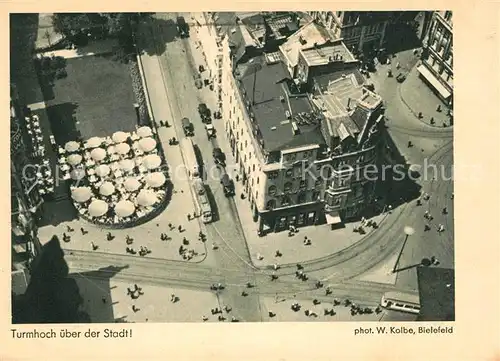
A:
(170, 65)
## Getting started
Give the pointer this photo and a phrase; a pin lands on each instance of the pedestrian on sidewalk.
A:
(214, 246)
(426, 214)
(445, 210)
(134, 308)
(170, 225)
(179, 228)
(189, 217)
(204, 318)
(172, 298)
(84, 232)
(103, 300)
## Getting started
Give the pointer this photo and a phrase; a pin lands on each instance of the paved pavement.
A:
(419, 98)
(154, 305)
(282, 311)
(46, 34)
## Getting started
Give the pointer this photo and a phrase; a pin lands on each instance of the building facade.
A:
(361, 31)
(289, 165)
(437, 58)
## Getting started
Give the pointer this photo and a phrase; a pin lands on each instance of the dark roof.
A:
(264, 84)
(228, 24)
(360, 117)
(437, 293)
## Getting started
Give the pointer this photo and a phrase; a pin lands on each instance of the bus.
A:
(401, 301)
(202, 200)
(192, 167)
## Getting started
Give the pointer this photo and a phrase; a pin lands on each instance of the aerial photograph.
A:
(232, 167)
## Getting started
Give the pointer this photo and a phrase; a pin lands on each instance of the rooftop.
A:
(265, 86)
(327, 53)
(340, 98)
(305, 37)
(437, 293)
(227, 24)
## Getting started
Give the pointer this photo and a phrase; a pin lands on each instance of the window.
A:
(303, 184)
(272, 175)
(253, 167)
(271, 204)
(285, 200)
(288, 186)
(288, 173)
(272, 190)
(301, 198)
(258, 180)
(336, 201)
(315, 195)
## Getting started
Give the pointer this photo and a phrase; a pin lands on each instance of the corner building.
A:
(282, 135)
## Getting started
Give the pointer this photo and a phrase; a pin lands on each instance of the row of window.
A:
(303, 184)
(286, 200)
(294, 156)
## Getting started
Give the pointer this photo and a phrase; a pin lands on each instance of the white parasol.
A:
(156, 179)
(146, 198)
(75, 159)
(98, 154)
(147, 144)
(131, 184)
(77, 174)
(119, 137)
(122, 148)
(98, 208)
(72, 146)
(102, 170)
(127, 165)
(81, 194)
(94, 142)
(124, 208)
(144, 132)
(107, 189)
(151, 161)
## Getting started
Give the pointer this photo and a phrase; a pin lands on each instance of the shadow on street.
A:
(54, 297)
(151, 31)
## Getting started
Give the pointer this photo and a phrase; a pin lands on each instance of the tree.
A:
(70, 24)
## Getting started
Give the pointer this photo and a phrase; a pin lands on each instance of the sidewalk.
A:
(46, 34)
(325, 241)
(418, 97)
(95, 47)
(154, 305)
(284, 313)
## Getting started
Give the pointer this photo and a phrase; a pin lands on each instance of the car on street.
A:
(182, 27)
(205, 113)
(227, 185)
(210, 131)
(401, 77)
(187, 127)
(219, 157)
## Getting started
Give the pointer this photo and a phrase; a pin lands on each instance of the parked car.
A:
(227, 185)
(210, 131)
(205, 113)
(401, 77)
(219, 157)
(182, 27)
(187, 127)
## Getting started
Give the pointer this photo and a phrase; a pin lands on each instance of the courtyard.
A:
(95, 98)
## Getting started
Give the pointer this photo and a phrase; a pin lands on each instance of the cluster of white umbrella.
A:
(75, 159)
(107, 189)
(131, 184)
(102, 170)
(98, 154)
(146, 198)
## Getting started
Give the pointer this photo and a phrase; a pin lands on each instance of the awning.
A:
(333, 218)
(434, 81)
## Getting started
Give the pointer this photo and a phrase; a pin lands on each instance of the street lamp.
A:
(408, 232)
